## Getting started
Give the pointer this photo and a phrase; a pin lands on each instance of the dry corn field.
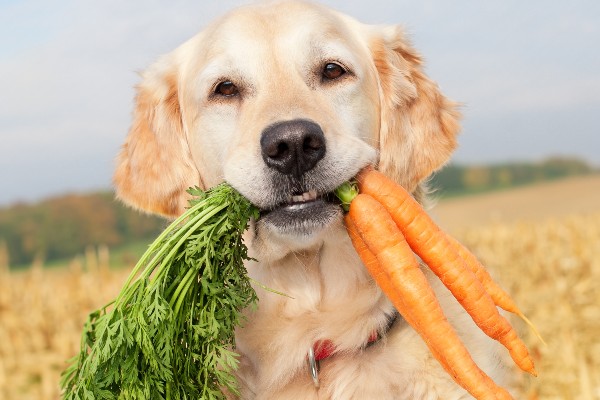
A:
(552, 269)
(550, 265)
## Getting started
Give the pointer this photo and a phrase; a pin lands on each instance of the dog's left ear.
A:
(418, 124)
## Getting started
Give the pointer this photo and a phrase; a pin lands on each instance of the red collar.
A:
(325, 348)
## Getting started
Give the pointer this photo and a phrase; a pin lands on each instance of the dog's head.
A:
(285, 102)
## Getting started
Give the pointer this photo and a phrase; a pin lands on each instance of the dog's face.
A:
(279, 113)
(285, 102)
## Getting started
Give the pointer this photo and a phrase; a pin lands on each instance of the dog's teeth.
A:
(300, 198)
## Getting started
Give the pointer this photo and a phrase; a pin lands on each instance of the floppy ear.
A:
(418, 124)
(155, 167)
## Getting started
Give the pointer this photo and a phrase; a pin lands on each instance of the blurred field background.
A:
(543, 244)
(541, 240)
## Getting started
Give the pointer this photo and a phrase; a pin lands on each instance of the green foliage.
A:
(462, 179)
(63, 227)
(170, 332)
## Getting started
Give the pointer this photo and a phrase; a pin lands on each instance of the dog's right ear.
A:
(155, 167)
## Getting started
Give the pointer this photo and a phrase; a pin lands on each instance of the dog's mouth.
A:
(298, 201)
(302, 213)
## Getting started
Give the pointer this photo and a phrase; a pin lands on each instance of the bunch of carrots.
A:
(386, 225)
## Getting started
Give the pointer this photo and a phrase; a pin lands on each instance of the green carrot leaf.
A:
(169, 334)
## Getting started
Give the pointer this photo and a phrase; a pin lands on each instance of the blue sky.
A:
(528, 73)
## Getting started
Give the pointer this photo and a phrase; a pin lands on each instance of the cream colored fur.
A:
(386, 113)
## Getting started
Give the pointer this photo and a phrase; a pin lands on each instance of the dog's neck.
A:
(328, 295)
(322, 267)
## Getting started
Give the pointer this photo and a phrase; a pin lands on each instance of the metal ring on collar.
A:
(313, 366)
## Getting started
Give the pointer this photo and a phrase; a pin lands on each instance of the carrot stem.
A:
(346, 192)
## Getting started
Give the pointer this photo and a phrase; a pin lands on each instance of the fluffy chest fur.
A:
(331, 297)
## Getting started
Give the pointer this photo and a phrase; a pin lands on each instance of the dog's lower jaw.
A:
(270, 240)
(300, 221)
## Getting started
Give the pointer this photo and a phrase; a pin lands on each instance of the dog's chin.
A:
(301, 219)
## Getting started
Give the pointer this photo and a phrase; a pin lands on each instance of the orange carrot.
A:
(392, 195)
(397, 271)
(500, 297)
(386, 285)
(432, 245)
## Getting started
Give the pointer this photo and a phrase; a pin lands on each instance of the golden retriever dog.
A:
(286, 101)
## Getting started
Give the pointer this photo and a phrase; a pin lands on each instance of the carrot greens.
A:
(169, 334)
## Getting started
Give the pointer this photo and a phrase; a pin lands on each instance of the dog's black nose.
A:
(293, 147)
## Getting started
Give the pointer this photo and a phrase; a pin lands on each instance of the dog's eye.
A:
(333, 71)
(227, 89)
